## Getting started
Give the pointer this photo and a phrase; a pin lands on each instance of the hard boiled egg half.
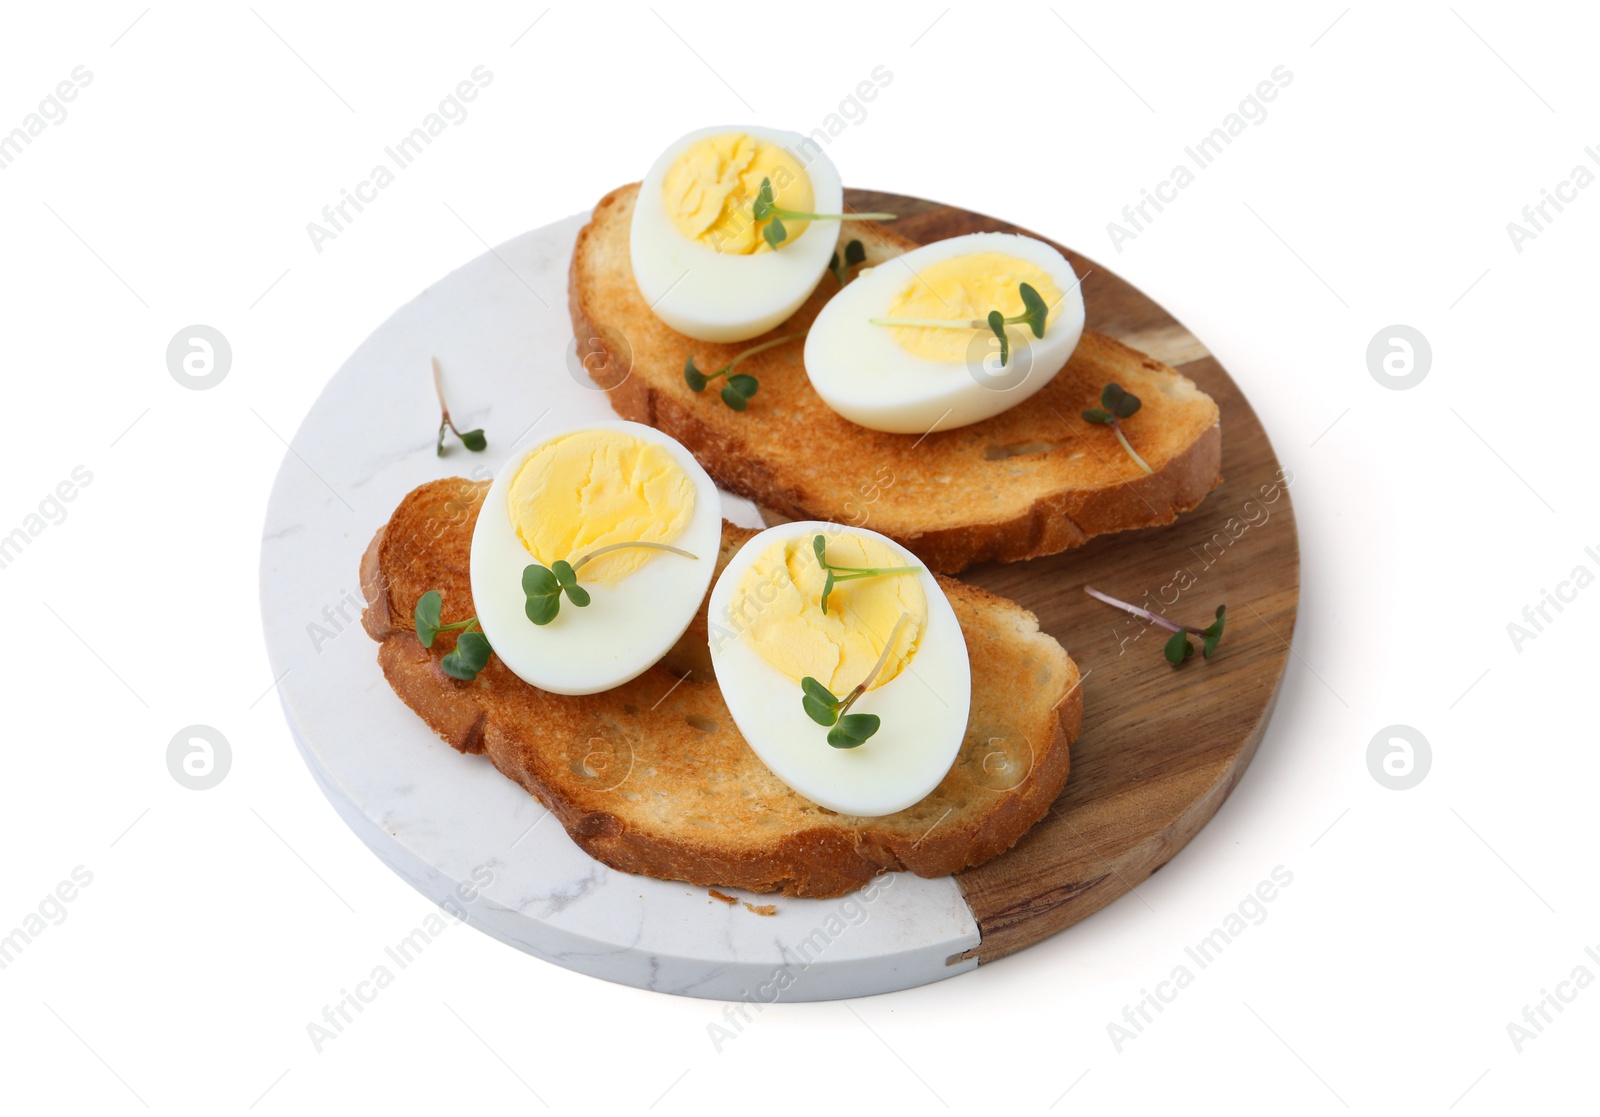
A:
(893, 630)
(567, 495)
(698, 253)
(941, 366)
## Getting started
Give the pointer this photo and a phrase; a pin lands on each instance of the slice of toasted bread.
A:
(1030, 481)
(654, 778)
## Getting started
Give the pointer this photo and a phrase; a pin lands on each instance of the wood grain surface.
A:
(1161, 748)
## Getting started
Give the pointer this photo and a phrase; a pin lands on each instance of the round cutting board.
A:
(1152, 765)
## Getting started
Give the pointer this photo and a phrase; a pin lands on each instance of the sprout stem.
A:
(796, 215)
(932, 323)
(598, 551)
(754, 349)
(1116, 428)
(877, 668)
(1153, 618)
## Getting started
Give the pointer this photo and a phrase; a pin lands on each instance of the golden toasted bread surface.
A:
(654, 778)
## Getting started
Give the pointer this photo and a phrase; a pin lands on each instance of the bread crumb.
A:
(762, 909)
(723, 896)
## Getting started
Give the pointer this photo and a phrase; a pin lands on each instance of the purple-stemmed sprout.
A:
(1177, 648)
(472, 440)
(1117, 404)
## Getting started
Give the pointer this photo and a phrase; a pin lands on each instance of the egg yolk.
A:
(777, 605)
(591, 488)
(710, 191)
(967, 287)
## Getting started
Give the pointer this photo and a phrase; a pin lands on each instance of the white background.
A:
(1377, 191)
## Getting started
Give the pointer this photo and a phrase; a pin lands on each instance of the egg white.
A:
(628, 625)
(923, 709)
(861, 372)
(710, 296)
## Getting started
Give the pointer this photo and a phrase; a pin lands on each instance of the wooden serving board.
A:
(1161, 748)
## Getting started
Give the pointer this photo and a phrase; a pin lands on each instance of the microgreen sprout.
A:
(1116, 405)
(472, 440)
(846, 573)
(826, 708)
(1177, 648)
(775, 234)
(472, 647)
(854, 254)
(544, 585)
(1034, 315)
(741, 386)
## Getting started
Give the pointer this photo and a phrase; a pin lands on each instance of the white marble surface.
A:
(442, 820)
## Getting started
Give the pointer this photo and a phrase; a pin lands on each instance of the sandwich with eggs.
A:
(673, 281)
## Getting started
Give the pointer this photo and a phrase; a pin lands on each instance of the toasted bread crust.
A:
(1076, 486)
(695, 803)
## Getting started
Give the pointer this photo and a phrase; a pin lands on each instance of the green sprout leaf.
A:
(1122, 404)
(827, 588)
(1211, 636)
(428, 624)
(853, 730)
(1178, 647)
(1035, 312)
(819, 712)
(565, 575)
(774, 233)
(816, 690)
(997, 323)
(762, 207)
(694, 377)
(542, 589)
(854, 254)
(426, 616)
(737, 391)
(577, 595)
(470, 656)
(819, 545)
(438, 448)
(474, 440)
(1095, 415)
(820, 703)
